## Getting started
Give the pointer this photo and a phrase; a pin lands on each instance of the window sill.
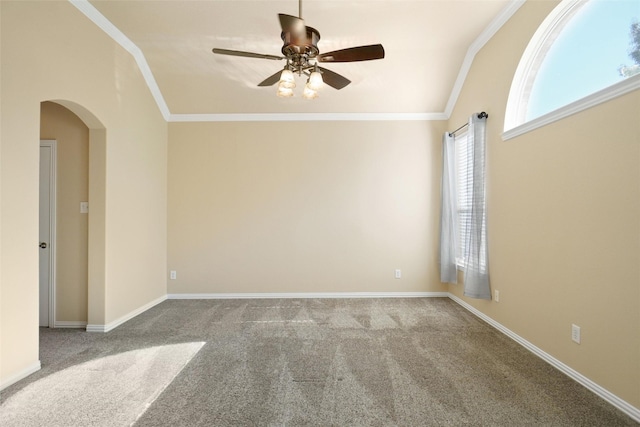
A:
(621, 88)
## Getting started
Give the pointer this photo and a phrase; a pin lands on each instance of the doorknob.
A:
(43, 245)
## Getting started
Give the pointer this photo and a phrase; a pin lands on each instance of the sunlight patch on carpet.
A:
(111, 391)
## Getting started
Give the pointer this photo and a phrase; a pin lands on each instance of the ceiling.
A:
(428, 44)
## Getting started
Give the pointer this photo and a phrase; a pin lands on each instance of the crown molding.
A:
(103, 23)
(306, 117)
(118, 36)
(475, 47)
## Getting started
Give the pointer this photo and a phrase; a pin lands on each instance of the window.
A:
(584, 53)
(589, 54)
(464, 184)
(463, 235)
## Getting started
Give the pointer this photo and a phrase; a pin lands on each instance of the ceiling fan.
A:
(300, 49)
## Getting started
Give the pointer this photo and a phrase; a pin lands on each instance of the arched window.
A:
(584, 53)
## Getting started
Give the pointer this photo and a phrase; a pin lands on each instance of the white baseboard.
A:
(614, 400)
(20, 375)
(301, 295)
(69, 324)
(119, 321)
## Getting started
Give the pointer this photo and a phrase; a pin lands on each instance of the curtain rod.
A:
(480, 116)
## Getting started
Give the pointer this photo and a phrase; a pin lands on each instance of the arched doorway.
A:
(81, 260)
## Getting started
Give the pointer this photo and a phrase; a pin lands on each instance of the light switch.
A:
(84, 207)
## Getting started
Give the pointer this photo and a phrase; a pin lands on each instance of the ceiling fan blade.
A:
(352, 54)
(292, 24)
(245, 54)
(334, 80)
(271, 80)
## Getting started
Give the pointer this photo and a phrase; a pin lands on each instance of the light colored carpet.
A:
(316, 362)
(109, 391)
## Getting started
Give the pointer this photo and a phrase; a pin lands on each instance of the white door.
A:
(47, 230)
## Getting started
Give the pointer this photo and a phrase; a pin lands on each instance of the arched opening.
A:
(64, 195)
(94, 190)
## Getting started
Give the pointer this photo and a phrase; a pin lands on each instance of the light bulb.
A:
(315, 80)
(309, 93)
(284, 92)
(286, 79)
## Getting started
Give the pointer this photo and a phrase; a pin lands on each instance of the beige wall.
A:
(50, 51)
(72, 187)
(3, 316)
(325, 207)
(303, 207)
(564, 220)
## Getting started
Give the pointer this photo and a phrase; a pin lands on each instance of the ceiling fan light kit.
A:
(284, 92)
(309, 93)
(287, 83)
(315, 80)
(300, 49)
(286, 79)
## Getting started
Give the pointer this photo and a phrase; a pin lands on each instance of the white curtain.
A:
(470, 235)
(476, 259)
(448, 212)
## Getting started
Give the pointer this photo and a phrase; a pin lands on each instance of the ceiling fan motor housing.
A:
(299, 48)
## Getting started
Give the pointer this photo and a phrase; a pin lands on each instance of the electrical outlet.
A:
(575, 333)
(173, 275)
(398, 273)
(496, 295)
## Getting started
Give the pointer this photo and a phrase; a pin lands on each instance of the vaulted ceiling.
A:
(428, 44)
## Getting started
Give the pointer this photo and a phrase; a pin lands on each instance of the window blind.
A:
(464, 176)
